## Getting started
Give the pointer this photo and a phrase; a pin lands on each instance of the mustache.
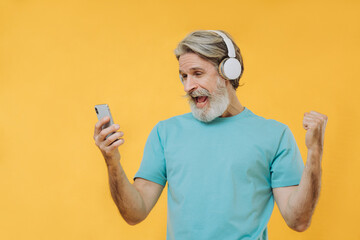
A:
(197, 93)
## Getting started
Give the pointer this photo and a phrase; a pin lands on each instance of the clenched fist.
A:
(108, 145)
(314, 123)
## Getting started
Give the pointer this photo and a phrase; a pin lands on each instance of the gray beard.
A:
(217, 104)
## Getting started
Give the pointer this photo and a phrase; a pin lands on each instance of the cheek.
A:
(208, 87)
(212, 87)
(209, 82)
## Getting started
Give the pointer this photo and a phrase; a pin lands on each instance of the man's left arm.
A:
(297, 203)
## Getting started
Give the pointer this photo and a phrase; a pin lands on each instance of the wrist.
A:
(112, 163)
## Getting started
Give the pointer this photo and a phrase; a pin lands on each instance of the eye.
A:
(198, 73)
(184, 76)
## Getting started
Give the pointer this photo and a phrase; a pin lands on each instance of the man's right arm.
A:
(134, 201)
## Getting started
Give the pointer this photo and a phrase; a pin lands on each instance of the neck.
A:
(235, 106)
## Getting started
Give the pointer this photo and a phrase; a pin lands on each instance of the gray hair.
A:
(209, 46)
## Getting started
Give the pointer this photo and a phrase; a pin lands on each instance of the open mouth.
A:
(201, 101)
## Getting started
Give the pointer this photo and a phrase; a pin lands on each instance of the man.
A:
(224, 165)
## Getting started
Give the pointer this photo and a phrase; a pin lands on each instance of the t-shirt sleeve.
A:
(287, 165)
(153, 166)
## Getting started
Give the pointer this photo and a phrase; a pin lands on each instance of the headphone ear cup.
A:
(230, 68)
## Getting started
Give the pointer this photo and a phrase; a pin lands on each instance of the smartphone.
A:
(103, 110)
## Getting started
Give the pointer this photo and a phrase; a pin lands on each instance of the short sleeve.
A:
(287, 165)
(153, 167)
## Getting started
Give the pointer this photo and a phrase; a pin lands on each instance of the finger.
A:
(320, 115)
(113, 138)
(99, 124)
(315, 113)
(311, 120)
(113, 128)
(308, 118)
(115, 144)
(305, 126)
(308, 124)
(316, 118)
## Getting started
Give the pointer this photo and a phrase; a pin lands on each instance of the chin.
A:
(209, 112)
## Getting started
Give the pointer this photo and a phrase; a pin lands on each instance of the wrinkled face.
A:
(206, 90)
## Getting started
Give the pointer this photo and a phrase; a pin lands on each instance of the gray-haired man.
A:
(224, 165)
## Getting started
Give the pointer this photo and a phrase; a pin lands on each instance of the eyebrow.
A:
(193, 69)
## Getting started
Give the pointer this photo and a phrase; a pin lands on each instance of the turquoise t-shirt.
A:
(220, 174)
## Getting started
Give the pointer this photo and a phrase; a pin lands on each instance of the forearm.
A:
(126, 197)
(302, 201)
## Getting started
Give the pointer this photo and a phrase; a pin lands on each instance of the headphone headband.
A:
(228, 42)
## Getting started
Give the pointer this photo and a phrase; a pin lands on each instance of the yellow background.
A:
(60, 58)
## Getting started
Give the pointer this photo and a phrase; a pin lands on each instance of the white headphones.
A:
(230, 67)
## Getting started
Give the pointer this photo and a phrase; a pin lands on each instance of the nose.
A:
(189, 84)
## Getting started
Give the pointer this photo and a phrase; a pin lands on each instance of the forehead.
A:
(189, 61)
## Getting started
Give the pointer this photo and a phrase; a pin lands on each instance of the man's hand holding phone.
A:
(108, 140)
